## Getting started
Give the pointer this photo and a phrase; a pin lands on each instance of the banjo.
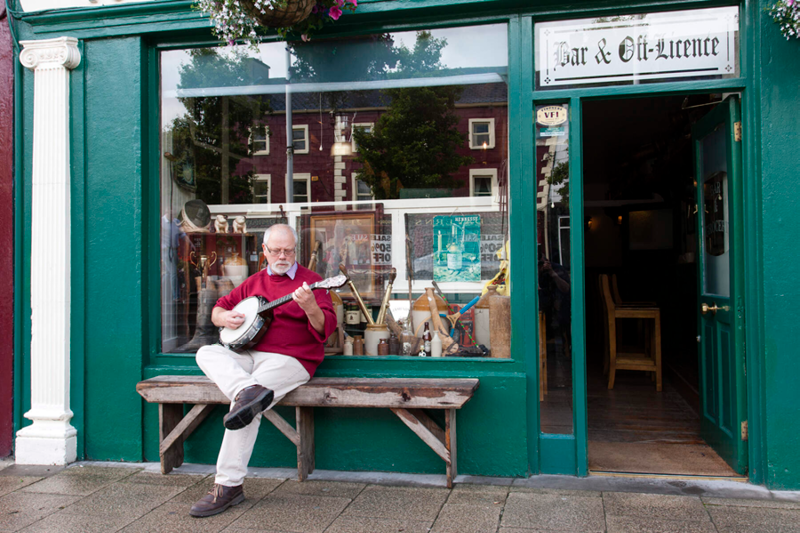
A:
(257, 312)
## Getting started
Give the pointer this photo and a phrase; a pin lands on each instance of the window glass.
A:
(381, 178)
(554, 280)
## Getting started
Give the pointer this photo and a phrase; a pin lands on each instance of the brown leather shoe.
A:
(248, 403)
(217, 500)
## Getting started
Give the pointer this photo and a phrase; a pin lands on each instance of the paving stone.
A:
(12, 483)
(467, 518)
(129, 500)
(552, 511)
(525, 530)
(625, 524)
(485, 495)
(321, 488)
(82, 485)
(254, 490)
(30, 470)
(655, 506)
(559, 492)
(110, 472)
(175, 518)
(62, 522)
(296, 513)
(754, 519)
(234, 529)
(168, 480)
(360, 524)
(738, 502)
(18, 509)
(399, 503)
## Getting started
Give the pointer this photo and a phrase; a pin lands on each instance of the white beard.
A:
(281, 267)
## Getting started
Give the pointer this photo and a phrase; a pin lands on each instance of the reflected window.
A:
(363, 128)
(483, 182)
(300, 139)
(259, 140)
(361, 191)
(481, 134)
(262, 189)
(302, 188)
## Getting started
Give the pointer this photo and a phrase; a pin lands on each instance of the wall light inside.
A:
(619, 220)
(589, 222)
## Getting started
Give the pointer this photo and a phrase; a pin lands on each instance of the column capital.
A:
(61, 52)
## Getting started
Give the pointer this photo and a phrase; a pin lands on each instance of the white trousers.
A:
(233, 372)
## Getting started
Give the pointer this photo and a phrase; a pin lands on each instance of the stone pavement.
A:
(101, 497)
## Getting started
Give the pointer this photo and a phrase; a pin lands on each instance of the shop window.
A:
(363, 127)
(481, 134)
(259, 140)
(262, 189)
(483, 182)
(300, 139)
(414, 182)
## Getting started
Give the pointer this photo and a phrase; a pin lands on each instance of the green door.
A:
(717, 153)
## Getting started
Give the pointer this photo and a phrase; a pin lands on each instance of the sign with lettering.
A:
(653, 46)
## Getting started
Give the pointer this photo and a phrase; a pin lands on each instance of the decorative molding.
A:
(59, 52)
(51, 439)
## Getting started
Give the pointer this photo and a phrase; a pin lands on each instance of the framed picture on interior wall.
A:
(344, 238)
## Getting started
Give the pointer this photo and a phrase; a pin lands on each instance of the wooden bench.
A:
(407, 398)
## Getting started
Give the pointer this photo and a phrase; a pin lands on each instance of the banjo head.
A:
(237, 338)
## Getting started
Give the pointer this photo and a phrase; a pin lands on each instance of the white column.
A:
(51, 439)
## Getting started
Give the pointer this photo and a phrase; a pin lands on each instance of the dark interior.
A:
(640, 226)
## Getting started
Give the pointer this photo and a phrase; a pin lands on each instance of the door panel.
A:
(717, 152)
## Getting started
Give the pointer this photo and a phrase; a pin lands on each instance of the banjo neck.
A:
(285, 299)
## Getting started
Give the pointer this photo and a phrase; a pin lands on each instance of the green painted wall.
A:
(113, 241)
(779, 140)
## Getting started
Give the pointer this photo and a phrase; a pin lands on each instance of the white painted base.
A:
(32, 447)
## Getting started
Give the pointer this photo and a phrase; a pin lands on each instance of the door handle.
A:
(705, 308)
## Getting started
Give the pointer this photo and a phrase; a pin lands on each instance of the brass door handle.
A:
(705, 308)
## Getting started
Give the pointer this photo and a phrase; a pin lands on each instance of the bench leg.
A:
(450, 443)
(432, 435)
(174, 429)
(305, 450)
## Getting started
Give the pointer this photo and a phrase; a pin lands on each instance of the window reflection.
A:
(391, 135)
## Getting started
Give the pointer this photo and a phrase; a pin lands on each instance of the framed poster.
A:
(345, 238)
(457, 254)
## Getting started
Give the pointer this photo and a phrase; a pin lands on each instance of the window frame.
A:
(354, 188)
(303, 127)
(300, 176)
(262, 178)
(492, 139)
(370, 125)
(482, 172)
(251, 141)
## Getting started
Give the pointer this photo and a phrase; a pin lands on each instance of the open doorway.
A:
(641, 250)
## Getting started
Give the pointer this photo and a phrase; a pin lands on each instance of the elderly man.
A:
(285, 358)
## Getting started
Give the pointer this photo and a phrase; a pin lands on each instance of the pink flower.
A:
(335, 12)
(340, 3)
(354, 2)
(304, 37)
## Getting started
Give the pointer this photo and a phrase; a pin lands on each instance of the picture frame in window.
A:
(345, 238)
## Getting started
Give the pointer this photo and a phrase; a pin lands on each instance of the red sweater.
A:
(290, 332)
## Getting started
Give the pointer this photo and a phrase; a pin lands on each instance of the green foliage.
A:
(559, 179)
(415, 142)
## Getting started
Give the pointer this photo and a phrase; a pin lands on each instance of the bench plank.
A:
(327, 392)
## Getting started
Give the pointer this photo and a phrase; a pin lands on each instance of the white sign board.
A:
(653, 46)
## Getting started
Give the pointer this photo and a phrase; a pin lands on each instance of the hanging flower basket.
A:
(787, 14)
(237, 20)
(278, 14)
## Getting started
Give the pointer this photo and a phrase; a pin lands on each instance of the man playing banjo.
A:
(285, 358)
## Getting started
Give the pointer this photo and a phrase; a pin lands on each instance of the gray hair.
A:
(282, 227)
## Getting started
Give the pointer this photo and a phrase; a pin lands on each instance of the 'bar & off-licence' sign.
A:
(652, 46)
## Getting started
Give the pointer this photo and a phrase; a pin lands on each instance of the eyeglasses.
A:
(278, 253)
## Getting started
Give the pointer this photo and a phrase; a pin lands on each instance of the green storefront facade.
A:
(115, 281)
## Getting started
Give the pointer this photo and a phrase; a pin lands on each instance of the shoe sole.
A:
(204, 514)
(245, 415)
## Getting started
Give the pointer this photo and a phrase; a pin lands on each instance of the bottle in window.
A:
(427, 338)
(454, 252)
